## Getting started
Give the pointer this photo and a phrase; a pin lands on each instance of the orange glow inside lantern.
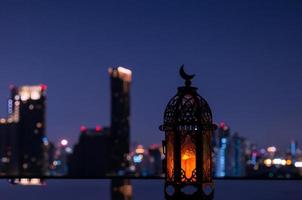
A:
(188, 158)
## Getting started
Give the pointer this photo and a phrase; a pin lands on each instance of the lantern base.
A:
(204, 191)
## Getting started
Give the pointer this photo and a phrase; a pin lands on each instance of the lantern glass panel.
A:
(188, 158)
(207, 159)
(170, 137)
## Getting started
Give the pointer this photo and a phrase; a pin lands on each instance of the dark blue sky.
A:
(246, 54)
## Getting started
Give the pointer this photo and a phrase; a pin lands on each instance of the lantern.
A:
(187, 146)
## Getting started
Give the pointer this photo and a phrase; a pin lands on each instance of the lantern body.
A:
(188, 153)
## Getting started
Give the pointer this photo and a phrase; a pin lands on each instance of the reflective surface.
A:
(150, 190)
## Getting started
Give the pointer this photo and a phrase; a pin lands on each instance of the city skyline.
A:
(97, 126)
(247, 66)
(133, 141)
(26, 150)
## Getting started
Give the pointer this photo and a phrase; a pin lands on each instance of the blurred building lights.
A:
(39, 125)
(24, 96)
(31, 107)
(35, 95)
(64, 142)
(5, 160)
(35, 181)
(272, 149)
(2, 120)
(45, 141)
(279, 161)
(98, 128)
(28, 181)
(68, 150)
(132, 168)
(225, 128)
(288, 162)
(138, 158)
(57, 162)
(83, 128)
(30, 92)
(126, 74)
(262, 151)
(124, 70)
(121, 72)
(298, 164)
(25, 165)
(17, 97)
(268, 162)
(254, 158)
(10, 106)
(256, 167)
(222, 124)
(283, 162)
(10, 120)
(43, 87)
(140, 149)
(221, 171)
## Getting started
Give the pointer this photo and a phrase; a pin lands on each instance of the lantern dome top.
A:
(187, 108)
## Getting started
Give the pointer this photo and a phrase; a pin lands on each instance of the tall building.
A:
(293, 149)
(230, 152)
(222, 149)
(236, 156)
(30, 109)
(120, 115)
(120, 128)
(25, 142)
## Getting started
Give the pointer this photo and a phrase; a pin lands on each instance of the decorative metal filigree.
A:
(187, 108)
(191, 179)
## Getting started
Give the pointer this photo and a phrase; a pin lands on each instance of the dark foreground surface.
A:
(150, 190)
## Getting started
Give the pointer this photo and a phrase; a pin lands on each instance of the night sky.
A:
(246, 56)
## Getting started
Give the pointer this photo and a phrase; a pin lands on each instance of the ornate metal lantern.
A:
(188, 129)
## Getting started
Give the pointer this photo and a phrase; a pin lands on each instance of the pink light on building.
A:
(83, 128)
(98, 128)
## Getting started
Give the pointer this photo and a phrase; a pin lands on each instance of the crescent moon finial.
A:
(186, 76)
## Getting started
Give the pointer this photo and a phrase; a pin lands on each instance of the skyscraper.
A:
(236, 156)
(221, 157)
(27, 108)
(23, 142)
(293, 149)
(120, 115)
(120, 128)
